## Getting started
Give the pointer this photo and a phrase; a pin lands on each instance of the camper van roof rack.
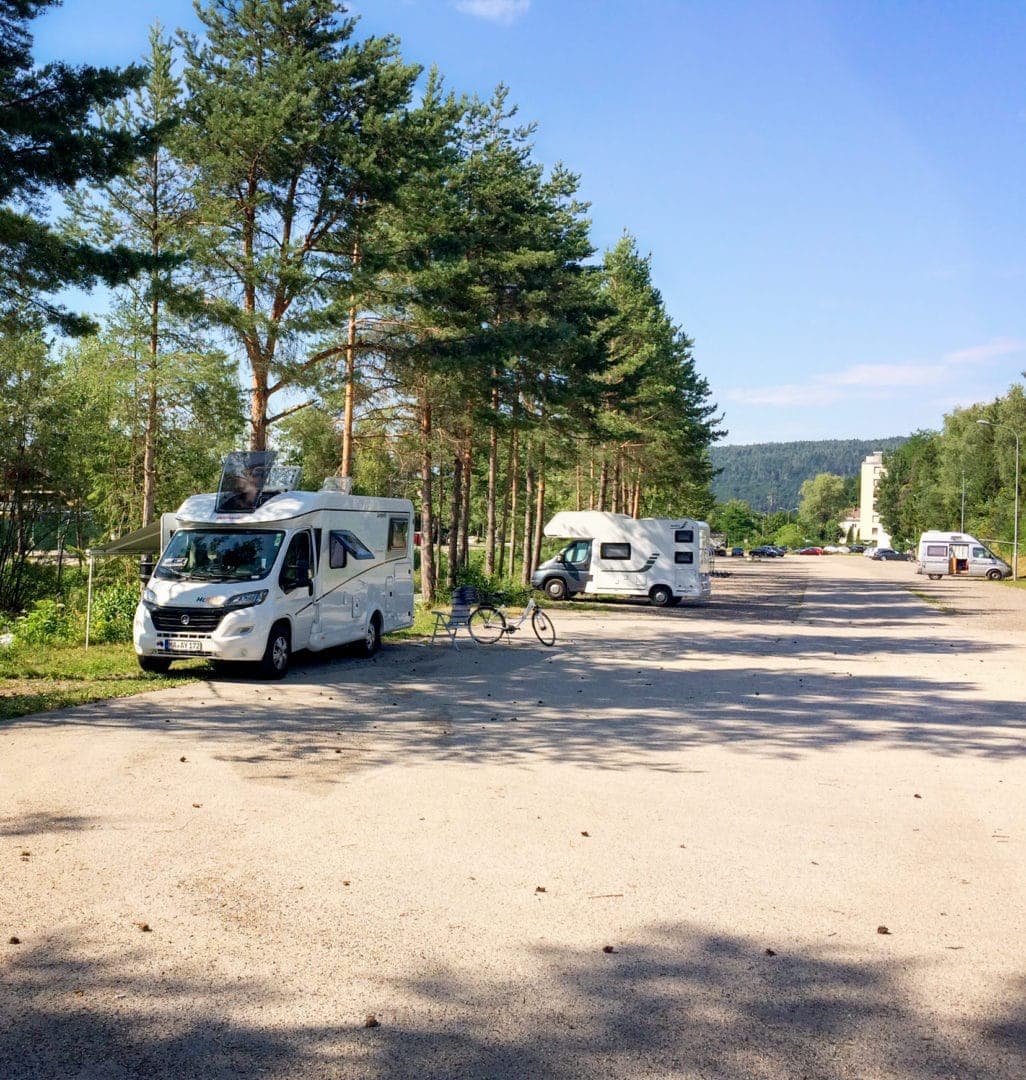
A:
(250, 477)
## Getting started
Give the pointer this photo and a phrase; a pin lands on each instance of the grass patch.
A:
(40, 678)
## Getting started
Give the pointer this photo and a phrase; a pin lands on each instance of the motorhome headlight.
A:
(149, 598)
(239, 600)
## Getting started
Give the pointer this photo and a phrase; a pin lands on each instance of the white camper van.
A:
(960, 555)
(665, 559)
(252, 574)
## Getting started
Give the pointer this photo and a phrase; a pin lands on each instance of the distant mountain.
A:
(768, 476)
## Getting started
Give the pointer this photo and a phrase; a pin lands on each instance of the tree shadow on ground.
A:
(676, 1000)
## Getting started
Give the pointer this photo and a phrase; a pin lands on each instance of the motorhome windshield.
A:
(219, 555)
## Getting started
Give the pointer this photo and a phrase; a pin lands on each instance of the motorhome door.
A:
(577, 559)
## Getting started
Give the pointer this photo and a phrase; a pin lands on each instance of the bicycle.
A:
(487, 622)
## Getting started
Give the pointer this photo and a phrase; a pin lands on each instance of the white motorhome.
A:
(959, 555)
(255, 575)
(665, 559)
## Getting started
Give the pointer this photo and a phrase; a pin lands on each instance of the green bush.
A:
(47, 622)
(516, 594)
(113, 612)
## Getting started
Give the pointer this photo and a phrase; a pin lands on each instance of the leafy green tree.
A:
(738, 522)
(149, 208)
(33, 457)
(908, 497)
(104, 385)
(49, 142)
(823, 503)
(295, 132)
(654, 405)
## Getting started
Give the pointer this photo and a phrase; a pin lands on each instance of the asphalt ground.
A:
(777, 836)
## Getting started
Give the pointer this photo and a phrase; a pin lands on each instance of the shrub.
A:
(47, 622)
(113, 612)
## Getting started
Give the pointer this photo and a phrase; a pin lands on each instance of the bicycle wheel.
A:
(543, 628)
(486, 625)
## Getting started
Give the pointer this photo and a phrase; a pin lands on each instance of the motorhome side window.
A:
(980, 553)
(296, 564)
(343, 546)
(684, 557)
(398, 533)
(615, 551)
(683, 536)
(937, 551)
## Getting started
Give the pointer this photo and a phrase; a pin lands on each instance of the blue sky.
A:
(831, 193)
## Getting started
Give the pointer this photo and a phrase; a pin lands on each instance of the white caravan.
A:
(296, 570)
(665, 559)
(960, 555)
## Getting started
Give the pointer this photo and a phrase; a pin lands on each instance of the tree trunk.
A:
(465, 514)
(514, 486)
(427, 517)
(504, 523)
(539, 510)
(617, 483)
(493, 475)
(603, 483)
(349, 405)
(636, 495)
(455, 518)
(525, 574)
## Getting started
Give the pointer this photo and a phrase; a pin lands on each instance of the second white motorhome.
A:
(665, 559)
(253, 574)
(959, 555)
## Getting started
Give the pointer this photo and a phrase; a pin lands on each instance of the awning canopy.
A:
(144, 541)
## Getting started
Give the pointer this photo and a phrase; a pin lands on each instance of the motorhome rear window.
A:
(615, 551)
(683, 536)
(343, 544)
(398, 534)
(683, 556)
(937, 551)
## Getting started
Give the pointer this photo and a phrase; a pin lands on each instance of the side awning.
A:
(144, 541)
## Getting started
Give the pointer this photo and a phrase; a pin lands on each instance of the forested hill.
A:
(768, 476)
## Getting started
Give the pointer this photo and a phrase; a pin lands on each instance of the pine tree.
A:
(295, 131)
(49, 142)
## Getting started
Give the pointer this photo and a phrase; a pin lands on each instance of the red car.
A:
(809, 551)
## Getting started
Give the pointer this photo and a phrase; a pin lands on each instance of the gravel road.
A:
(778, 836)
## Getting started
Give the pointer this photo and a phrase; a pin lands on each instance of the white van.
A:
(665, 559)
(294, 570)
(959, 555)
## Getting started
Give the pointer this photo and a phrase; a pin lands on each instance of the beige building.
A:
(870, 531)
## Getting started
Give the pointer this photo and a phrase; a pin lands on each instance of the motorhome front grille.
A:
(171, 619)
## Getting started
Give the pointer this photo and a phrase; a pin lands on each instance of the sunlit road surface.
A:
(778, 836)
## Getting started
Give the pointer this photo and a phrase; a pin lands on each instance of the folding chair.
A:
(464, 600)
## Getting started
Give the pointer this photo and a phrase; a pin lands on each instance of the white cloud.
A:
(500, 11)
(867, 382)
(993, 350)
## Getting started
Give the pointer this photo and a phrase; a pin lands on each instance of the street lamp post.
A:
(1015, 511)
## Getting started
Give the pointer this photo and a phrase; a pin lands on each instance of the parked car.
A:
(737, 552)
(809, 551)
(767, 551)
(889, 555)
(857, 549)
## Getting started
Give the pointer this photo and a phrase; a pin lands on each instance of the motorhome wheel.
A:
(275, 662)
(372, 637)
(935, 577)
(994, 575)
(555, 588)
(660, 596)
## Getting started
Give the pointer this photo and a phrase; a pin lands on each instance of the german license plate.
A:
(180, 645)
